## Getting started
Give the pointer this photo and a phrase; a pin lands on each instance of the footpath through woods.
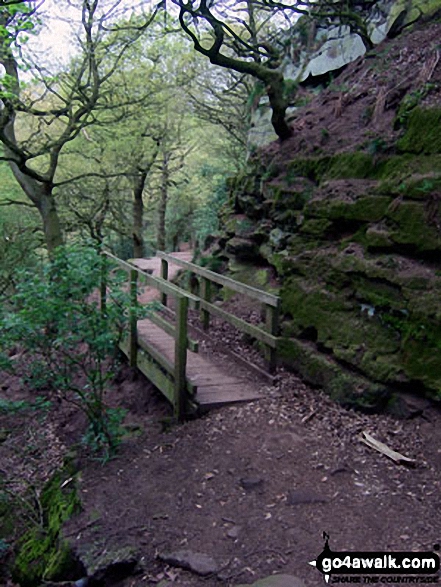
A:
(240, 494)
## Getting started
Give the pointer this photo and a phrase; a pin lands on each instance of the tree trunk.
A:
(41, 195)
(279, 105)
(51, 222)
(38, 188)
(161, 240)
(138, 215)
(273, 80)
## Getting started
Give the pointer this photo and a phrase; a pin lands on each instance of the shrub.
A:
(71, 345)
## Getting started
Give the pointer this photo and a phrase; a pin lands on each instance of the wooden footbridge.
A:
(163, 351)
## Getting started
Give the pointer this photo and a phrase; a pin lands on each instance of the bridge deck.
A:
(215, 386)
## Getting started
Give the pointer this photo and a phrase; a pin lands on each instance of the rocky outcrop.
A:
(312, 51)
(351, 223)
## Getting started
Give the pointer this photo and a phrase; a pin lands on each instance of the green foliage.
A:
(411, 101)
(422, 134)
(71, 344)
(206, 217)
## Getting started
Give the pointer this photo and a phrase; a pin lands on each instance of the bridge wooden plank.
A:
(214, 386)
(216, 397)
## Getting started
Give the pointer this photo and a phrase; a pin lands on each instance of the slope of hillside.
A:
(347, 213)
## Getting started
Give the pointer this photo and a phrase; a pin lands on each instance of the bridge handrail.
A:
(267, 335)
(177, 391)
(160, 284)
(252, 292)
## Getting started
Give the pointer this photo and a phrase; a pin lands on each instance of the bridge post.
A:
(180, 398)
(272, 325)
(133, 319)
(206, 296)
(164, 275)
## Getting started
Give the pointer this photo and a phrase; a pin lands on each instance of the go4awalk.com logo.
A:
(378, 567)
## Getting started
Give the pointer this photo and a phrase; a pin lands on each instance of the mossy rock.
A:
(240, 225)
(312, 168)
(411, 225)
(423, 132)
(343, 387)
(364, 209)
(399, 171)
(421, 187)
(242, 248)
(292, 197)
(355, 164)
(375, 237)
(248, 274)
(338, 320)
(42, 553)
(415, 9)
(316, 227)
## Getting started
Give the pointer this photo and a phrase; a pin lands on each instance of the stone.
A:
(234, 532)
(277, 581)
(196, 562)
(304, 496)
(408, 406)
(110, 565)
(250, 483)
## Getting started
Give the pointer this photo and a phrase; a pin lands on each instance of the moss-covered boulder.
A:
(42, 553)
(344, 387)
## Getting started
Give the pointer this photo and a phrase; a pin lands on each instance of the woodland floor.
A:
(252, 485)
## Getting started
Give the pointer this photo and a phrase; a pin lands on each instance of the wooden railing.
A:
(167, 377)
(271, 303)
(171, 377)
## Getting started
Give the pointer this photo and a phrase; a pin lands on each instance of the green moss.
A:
(422, 134)
(339, 322)
(363, 209)
(240, 225)
(317, 227)
(42, 554)
(248, 274)
(376, 238)
(411, 227)
(355, 164)
(414, 10)
(378, 293)
(420, 188)
(343, 387)
(314, 168)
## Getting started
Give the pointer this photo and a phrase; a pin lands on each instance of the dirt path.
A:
(154, 265)
(255, 486)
